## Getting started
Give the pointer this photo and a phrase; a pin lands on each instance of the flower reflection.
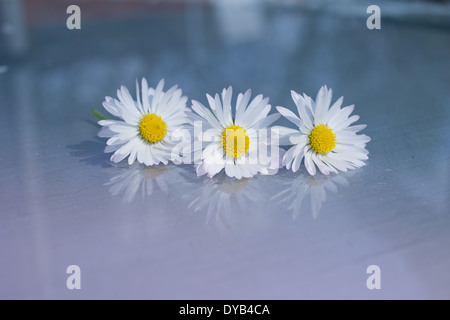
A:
(224, 198)
(299, 188)
(146, 180)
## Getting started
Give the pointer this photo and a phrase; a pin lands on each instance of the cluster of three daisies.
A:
(324, 136)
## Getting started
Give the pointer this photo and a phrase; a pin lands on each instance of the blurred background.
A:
(165, 233)
(195, 42)
(21, 19)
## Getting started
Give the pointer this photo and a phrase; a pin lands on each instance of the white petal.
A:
(309, 164)
(334, 110)
(133, 154)
(138, 97)
(298, 157)
(216, 107)
(352, 139)
(211, 135)
(193, 117)
(200, 169)
(129, 114)
(122, 127)
(284, 134)
(227, 94)
(334, 161)
(310, 104)
(357, 128)
(323, 101)
(288, 114)
(162, 106)
(125, 97)
(288, 157)
(299, 139)
(267, 121)
(110, 122)
(124, 151)
(254, 112)
(214, 169)
(241, 104)
(229, 170)
(145, 100)
(205, 114)
(350, 148)
(341, 116)
(213, 153)
(303, 110)
(322, 167)
(111, 108)
(157, 96)
(239, 171)
(346, 123)
(255, 102)
(252, 118)
(245, 171)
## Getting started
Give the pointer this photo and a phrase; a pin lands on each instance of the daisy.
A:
(234, 145)
(144, 127)
(325, 138)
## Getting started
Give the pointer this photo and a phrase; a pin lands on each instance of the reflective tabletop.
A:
(163, 232)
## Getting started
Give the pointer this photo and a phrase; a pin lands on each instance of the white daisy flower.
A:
(325, 138)
(234, 143)
(144, 129)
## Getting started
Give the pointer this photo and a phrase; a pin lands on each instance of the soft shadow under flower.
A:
(90, 152)
(146, 180)
(298, 188)
(224, 198)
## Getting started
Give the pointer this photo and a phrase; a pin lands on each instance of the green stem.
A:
(99, 115)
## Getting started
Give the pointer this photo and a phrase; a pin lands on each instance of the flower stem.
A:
(99, 115)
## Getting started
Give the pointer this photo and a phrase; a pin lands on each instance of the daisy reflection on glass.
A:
(300, 188)
(224, 198)
(324, 137)
(139, 179)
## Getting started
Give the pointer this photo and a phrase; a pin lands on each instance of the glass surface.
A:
(163, 233)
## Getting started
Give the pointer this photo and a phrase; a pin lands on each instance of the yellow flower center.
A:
(152, 128)
(322, 139)
(235, 141)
